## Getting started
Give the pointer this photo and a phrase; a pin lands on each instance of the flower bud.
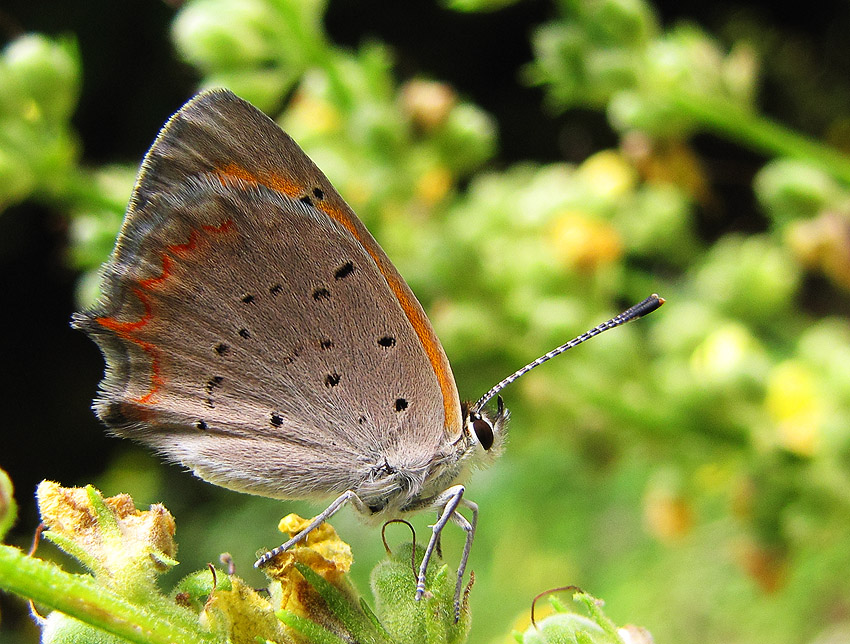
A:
(751, 278)
(467, 139)
(790, 190)
(40, 78)
(427, 103)
(219, 34)
(430, 619)
(8, 508)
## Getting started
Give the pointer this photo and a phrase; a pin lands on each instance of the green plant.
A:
(308, 599)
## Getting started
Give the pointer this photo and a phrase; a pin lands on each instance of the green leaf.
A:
(81, 597)
(357, 622)
(311, 630)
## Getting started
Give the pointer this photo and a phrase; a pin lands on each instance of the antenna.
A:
(645, 307)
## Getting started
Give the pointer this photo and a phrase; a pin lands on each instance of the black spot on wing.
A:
(332, 379)
(212, 383)
(209, 387)
(344, 271)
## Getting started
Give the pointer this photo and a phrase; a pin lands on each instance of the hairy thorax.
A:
(398, 485)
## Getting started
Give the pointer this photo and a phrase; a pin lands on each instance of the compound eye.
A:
(484, 432)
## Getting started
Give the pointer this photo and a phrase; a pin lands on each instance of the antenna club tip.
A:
(650, 304)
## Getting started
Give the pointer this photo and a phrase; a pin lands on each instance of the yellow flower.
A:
(821, 244)
(724, 354)
(313, 114)
(244, 615)
(667, 514)
(434, 185)
(792, 403)
(323, 552)
(583, 243)
(109, 535)
(668, 162)
(607, 174)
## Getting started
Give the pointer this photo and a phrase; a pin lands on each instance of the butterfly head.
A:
(484, 432)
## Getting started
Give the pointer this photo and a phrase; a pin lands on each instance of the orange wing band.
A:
(128, 330)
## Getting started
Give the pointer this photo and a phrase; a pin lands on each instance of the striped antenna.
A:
(637, 311)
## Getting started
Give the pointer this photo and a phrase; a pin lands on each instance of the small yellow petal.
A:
(608, 174)
(324, 541)
(314, 114)
(793, 404)
(583, 243)
(434, 185)
(322, 551)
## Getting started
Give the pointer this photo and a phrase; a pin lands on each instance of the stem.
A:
(81, 597)
(725, 118)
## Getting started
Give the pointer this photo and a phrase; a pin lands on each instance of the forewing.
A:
(253, 329)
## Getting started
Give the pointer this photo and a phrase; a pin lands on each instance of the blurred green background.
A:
(531, 168)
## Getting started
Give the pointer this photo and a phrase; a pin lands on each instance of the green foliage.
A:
(430, 620)
(258, 49)
(40, 81)
(691, 469)
(195, 589)
(8, 507)
(126, 549)
(564, 626)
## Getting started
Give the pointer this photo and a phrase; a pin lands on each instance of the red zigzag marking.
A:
(126, 330)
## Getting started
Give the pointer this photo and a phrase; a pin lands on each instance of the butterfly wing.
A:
(252, 327)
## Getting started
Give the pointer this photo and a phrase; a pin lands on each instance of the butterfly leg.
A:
(449, 501)
(439, 548)
(346, 497)
(469, 527)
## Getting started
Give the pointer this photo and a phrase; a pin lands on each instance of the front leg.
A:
(346, 497)
(469, 528)
(449, 501)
